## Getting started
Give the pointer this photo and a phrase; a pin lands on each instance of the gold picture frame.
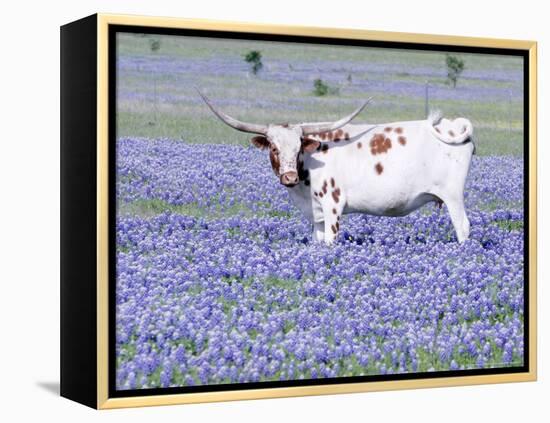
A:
(96, 33)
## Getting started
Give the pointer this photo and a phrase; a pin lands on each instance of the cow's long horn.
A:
(317, 128)
(234, 123)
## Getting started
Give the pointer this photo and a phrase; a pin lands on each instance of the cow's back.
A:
(391, 169)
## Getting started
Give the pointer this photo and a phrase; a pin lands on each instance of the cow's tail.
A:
(458, 131)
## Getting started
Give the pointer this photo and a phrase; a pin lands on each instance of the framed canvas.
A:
(257, 211)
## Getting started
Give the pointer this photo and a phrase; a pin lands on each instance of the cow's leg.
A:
(331, 199)
(333, 212)
(465, 224)
(318, 231)
(331, 231)
(461, 224)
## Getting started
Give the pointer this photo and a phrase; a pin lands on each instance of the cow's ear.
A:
(260, 141)
(310, 145)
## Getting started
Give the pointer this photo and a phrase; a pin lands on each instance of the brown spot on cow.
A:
(334, 211)
(402, 140)
(398, 130)
(379, 144)
(451, 133)
(325, 185)
(375, 141)
(336, 136)
(337, 226)
(324, 148)
(336, 195)
(359, 144)
(309, 145)
(333, 228)
(379, 168)
(320, 195)
(332, 183)
(388, 129)
(274, 158)
(315, 193)
(261, 142)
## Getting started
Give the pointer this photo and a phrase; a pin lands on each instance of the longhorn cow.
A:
(392, 169)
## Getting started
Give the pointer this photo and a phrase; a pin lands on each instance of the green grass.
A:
(492, 205)
(178, 112)
(510, 225)
(287, 284)
(201, 47)
(148, 208)
(154, 207)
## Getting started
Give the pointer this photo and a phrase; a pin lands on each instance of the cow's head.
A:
(284, 141)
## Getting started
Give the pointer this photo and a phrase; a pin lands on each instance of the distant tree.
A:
(154, 44)
(254, 58)
(455, 66)
(321, 88)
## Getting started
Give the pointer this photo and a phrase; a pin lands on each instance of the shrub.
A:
(455, 66)
(321, 88)
(254, 58)
(154, 44)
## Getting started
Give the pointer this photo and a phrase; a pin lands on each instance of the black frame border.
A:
(112, 79)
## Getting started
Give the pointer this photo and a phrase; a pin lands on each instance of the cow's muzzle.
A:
(289, 179)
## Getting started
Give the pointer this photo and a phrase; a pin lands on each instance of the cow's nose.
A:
(289, 179)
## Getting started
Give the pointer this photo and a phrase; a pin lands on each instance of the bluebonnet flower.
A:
(219, 286)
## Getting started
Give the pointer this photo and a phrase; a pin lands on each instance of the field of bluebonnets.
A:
(218, 280)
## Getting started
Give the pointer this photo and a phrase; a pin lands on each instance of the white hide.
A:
(287, 141)
(428, 166)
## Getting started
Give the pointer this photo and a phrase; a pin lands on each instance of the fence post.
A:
(426, 99)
